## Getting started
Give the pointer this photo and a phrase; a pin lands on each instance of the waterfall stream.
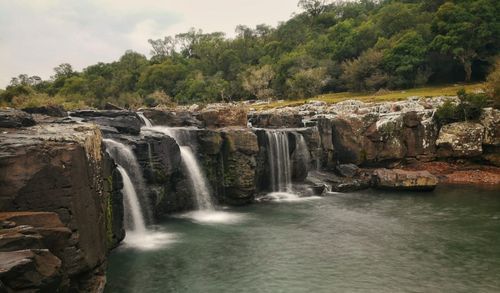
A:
(146, 121)
(134, 220)
(279, 161)
(125, 157)
(137, 235)
(199, 183)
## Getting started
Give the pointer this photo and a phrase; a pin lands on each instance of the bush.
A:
(469, 108)
(493, 84)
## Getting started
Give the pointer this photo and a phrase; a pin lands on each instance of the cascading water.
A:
(124, 156)
(301, 148)
(279, 161)
(134, 220)
(137, 235)
(199, 183)
(146, 121)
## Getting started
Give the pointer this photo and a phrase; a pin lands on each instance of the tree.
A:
(307, 83)
(162, 48)
(464, 29)
(313, 7)
(62, 71)
(365, 72)
(257, 81)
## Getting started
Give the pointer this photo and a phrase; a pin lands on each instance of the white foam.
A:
(150, 240)
(289, 197)
(213, 217)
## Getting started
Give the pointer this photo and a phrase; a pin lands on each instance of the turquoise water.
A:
(371, 241)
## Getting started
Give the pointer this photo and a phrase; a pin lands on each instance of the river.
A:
(369, 241)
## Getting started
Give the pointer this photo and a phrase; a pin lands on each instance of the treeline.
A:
(329, 47)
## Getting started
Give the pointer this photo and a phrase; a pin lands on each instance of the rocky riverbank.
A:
(60, 192)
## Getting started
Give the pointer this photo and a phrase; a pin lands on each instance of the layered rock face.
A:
(62, 169)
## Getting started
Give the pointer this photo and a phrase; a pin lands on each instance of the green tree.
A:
(257, 81)
(464, 29)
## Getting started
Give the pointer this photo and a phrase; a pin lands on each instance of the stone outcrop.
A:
(11, 118)
(63, 169)
(397, 179)
(460, 139)
(172, 118)
(111, 121)
(50, 110)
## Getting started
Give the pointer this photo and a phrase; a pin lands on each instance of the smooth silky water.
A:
(370, 241)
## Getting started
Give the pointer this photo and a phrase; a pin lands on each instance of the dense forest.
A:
(361, 45)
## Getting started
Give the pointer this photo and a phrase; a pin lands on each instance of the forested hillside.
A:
(326, 47)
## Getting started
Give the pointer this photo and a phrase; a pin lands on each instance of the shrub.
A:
(493, 83)
(469, 108)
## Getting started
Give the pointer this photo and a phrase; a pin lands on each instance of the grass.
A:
(433, 91)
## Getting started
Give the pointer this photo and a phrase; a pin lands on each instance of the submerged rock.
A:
(404, 180)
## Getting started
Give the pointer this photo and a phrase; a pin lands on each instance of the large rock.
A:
(276, 120)
(460, 139)
(35, 270)
(404, 180)
(239, 157)
(223, 116)
(490, 119)
(172, 118)
(63, 169)
(127, 122)
(50, 110)
(11, 118)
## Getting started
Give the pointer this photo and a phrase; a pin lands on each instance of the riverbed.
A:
(370, 241)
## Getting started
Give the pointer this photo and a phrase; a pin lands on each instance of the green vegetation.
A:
(469, 108)
(356, 46)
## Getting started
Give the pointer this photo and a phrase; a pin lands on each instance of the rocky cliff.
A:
(61, 169)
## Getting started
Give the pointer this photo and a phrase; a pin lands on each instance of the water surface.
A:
(372, 241)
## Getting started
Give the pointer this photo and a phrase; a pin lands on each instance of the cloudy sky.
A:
(37, 35)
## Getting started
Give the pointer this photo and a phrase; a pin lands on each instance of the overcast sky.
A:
(37, 35)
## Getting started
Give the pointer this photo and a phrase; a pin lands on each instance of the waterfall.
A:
(124, 157)
(134, 220)
(197, 178)
(279, 160)
(146, 121)
(302, 150)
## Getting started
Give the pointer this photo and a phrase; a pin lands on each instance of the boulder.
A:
(35, 269)
(490, 119)
(110, 106)
(50, 110)
(127, 122)
(347, 170)
(276, 120)
(12, 118)
(397, 179)
(460, 139)
(172, 118)
(223, 116)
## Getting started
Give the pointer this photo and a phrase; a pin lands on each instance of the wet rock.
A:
(30, 270)
(50, 110)
(239, 169)
(12, 118)
(460, 139)
(347, 170)
(210, 141)
(404, 180)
